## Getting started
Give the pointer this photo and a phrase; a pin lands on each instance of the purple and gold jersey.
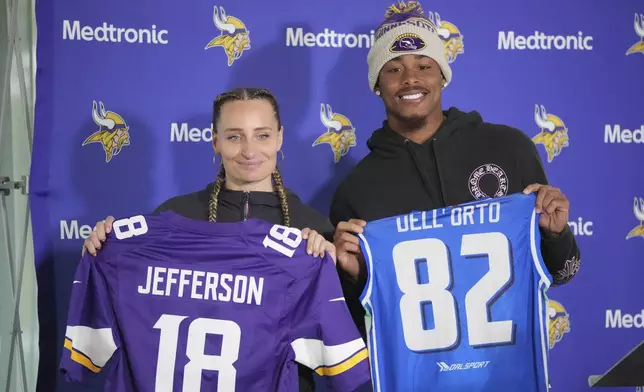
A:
(184, 305)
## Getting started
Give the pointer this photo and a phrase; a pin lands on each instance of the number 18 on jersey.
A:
(456, 298)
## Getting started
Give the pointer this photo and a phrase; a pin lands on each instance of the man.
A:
(425, 158)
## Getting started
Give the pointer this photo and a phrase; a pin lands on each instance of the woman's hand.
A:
(93, 243)
(317, 245)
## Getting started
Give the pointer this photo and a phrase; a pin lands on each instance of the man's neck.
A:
(418, 135)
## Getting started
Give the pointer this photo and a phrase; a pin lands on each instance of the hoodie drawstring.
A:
(421, 172)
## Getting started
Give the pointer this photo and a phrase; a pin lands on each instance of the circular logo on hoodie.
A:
(408, 42)
(488, 179)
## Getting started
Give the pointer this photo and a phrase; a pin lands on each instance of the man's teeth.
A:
(412, 96)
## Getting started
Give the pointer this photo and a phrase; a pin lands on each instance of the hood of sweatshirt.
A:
(388, 143)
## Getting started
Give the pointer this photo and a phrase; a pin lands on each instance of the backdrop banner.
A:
(123, 122)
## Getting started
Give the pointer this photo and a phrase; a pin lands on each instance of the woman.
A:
(247, 136)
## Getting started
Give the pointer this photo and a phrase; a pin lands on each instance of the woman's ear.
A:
(280, 138)
(214, 142)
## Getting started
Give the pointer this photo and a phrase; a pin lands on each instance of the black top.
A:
(235, 206)
(399, 176)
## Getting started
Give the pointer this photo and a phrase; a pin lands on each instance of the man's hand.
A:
(347, 246)
(553, 206)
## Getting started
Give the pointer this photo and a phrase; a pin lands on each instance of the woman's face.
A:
(247, 139)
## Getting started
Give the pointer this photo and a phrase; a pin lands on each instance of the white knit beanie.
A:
(406, 31)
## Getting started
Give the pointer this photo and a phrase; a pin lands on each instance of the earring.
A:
(378, 92)
(214, 160)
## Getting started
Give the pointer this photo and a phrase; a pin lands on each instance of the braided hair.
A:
(237, 95)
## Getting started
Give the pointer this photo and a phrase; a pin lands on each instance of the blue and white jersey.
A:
(455, 298)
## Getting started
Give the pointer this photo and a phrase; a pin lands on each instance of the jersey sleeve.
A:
(323, 335)
(90, 337)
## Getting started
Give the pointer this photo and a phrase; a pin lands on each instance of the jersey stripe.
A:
(365, 299)
(328, 360)
(81, 358)
(543, 331)
(343, 366)
(365, 296)
(544, 284)
(538, 263)
(97, 345)
(372, 342)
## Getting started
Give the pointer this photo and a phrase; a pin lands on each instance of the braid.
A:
(214, 197)
(279, 188)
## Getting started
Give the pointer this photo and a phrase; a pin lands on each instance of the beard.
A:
(411, 123)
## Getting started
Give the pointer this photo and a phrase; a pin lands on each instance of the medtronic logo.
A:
(581, 227)
(328, 39)
(509, 40)
(70, 230)
(184, 133)
(618, 134)
(73, 31)
(617, 319)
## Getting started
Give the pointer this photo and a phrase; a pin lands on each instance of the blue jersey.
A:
(455, 299)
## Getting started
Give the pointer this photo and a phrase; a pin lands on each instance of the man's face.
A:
(410, 86)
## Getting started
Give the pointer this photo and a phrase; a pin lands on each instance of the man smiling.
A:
(424, 157)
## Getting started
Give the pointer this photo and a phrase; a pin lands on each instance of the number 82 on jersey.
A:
(437, 291)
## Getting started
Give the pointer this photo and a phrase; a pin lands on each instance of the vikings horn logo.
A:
(234, 37)
(638, 47)
(553, 135)
(113, 132)
(558, 322)
(340, 134)
(450, 35)
(638, 210)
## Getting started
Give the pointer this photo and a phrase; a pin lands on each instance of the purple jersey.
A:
(184, 305)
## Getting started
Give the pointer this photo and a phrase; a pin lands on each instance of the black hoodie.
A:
(235, 206)
(399, 176)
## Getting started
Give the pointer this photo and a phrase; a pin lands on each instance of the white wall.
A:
(15, 159)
